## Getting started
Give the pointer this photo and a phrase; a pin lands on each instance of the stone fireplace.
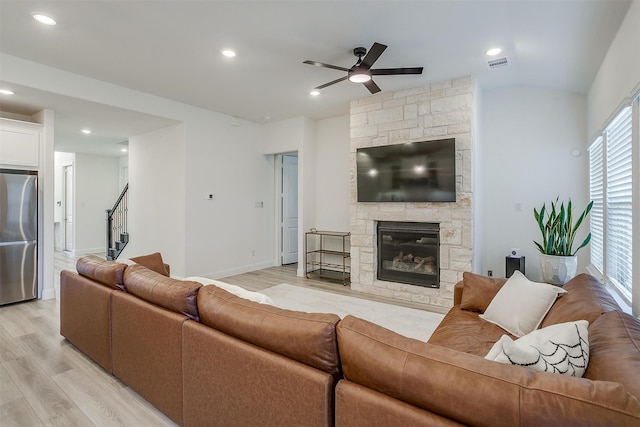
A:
(439, 110)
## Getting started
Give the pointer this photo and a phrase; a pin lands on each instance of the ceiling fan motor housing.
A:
(360, 51)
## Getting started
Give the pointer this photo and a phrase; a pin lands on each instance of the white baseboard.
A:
(235, 271)
(89, 251)
(49, 294)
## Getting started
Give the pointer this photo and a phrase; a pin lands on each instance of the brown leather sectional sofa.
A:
(205, 357)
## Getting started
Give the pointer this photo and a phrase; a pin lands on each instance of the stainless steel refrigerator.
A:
(18, 235)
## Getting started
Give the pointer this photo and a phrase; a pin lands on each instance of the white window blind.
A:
(618, 195)
(596, 194)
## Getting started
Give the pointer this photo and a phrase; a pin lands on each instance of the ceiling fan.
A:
(362, 72)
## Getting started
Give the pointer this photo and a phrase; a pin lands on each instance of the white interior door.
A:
(289, 209)
(68, 208)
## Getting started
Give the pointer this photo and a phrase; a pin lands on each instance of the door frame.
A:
(66, 208)
(278, 165)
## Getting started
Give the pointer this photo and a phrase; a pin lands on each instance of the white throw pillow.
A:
(233, 289)
(521, 304)
(562, 348)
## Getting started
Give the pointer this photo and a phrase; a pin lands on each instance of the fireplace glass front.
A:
(408, 252)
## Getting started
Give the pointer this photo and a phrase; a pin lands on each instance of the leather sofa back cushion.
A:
(614, 346)
(586, 299)
(176, 295)
(478, 291)
(108, 273)
(309, 338)
(449, 383)
(152, 262)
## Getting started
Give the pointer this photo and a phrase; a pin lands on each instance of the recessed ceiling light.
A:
(494, 51)
(44, 19)
(6, 92)
(86, 131)
(124, 150)
(314, 92)
(228, 53)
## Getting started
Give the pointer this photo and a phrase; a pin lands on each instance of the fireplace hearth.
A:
(408, 252)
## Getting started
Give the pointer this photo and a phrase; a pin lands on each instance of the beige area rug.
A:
(410, 322)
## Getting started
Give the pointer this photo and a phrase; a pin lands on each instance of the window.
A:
(618, 196)
(596, 194)
(610, 188)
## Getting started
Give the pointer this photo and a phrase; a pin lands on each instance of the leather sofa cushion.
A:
(152, 262)
(586, 299)
(465, 331)
(309, 338)
(472, 390)
(176, 295)
(478, 291)
(108, 273)
(614, 347)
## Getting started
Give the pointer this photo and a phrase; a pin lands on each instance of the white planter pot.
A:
(558, 270)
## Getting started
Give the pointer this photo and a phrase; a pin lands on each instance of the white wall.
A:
(284, 136)
(306, 187)
(332, 174)
(229, 234)
(527, 138)
(96, 190)
(619, 74)
(157, 196)
(45, 202)
(478, 168)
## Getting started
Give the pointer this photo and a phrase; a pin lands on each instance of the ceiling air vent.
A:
(496, 63)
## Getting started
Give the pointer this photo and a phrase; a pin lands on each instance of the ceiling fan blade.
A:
(373, 54)
(394, 71)
(332, 82)
(320, 64)
(373, 88)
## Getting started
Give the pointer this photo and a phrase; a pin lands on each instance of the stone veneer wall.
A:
(439, 110)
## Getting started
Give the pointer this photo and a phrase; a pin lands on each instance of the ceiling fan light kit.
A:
(362, 72)
(359, 76)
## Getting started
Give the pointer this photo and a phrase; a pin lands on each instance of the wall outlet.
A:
(490, 273)
(209, 196)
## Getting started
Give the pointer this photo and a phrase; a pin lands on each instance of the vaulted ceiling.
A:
(173, 49)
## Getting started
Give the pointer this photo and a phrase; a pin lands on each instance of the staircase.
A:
(117, 234)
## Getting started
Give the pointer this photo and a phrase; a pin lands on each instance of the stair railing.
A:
(117, 232)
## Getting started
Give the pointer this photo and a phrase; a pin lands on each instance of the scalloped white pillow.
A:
(233, 289)
(521, 304)
(562, 348)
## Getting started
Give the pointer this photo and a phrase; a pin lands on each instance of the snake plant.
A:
(558, 230)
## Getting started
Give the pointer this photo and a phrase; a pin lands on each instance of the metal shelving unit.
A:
(327, 255)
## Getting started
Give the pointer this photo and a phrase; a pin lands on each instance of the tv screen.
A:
(412, 172)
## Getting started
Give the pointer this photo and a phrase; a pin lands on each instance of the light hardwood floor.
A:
(44, 380)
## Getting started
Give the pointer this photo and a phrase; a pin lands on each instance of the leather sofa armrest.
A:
(168, 268)
(457, 293)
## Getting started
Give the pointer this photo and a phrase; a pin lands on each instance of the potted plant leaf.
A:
(558, 260)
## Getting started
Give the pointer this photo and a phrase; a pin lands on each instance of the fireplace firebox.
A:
(409, 252)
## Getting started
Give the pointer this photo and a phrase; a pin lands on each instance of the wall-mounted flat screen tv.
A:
(412, 172)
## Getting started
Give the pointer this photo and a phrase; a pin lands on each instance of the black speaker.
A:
(514, 264)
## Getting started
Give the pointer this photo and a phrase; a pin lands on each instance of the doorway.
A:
(68, 208)
(288, 168)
